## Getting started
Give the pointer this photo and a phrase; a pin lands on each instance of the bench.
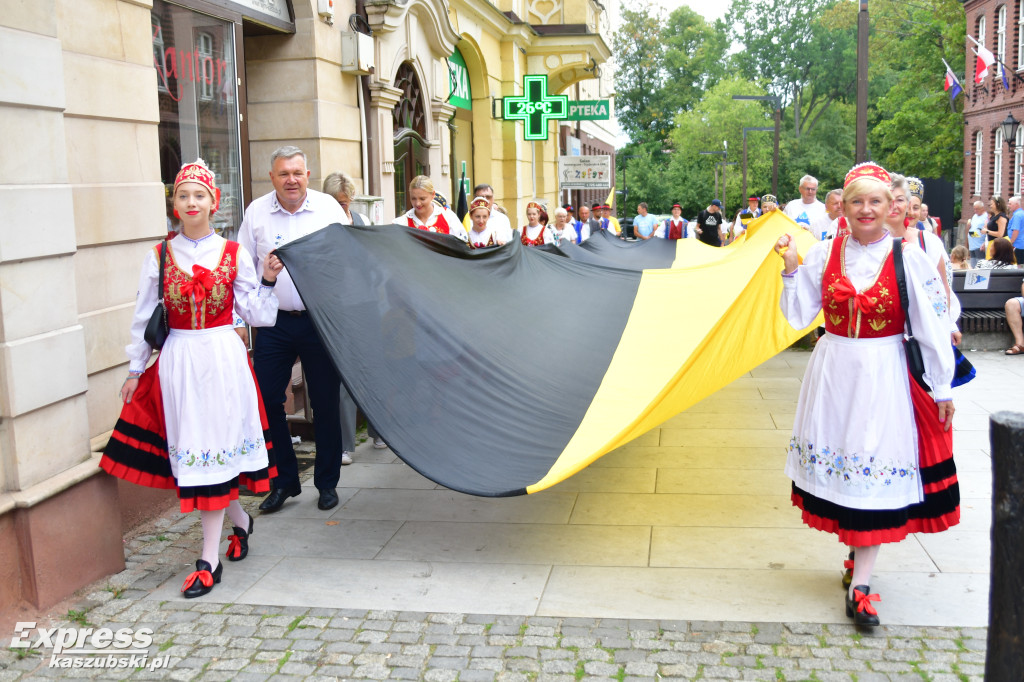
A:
(983, 320)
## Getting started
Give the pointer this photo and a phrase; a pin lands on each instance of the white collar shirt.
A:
(267, 225)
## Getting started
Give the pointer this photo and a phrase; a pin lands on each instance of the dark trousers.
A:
(274, 354)
(1019, 255)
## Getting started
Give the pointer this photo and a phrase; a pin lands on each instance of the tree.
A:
(915, 130)
(797, 50)
(663, 67)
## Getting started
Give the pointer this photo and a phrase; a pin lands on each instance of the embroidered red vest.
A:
(204, 298)
(478, 244)
(675, 230)
(843, 228)
(872, 313)
(539, 241)
(440, 225)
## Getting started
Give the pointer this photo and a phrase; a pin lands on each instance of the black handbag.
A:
(157, 328)
(915, 361)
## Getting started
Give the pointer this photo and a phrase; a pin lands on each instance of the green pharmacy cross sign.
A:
(535, 108)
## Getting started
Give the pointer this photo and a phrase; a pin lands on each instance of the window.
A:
(1001, 34)
(1020, 35)
(981, 29)
(1018, 160)
(977, 162)
(158, 52)
(997, 163)
(206, 75)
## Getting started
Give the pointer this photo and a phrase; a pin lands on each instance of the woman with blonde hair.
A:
(426, 214)
(870, 457)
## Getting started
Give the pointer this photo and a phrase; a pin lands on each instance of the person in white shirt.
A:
(976, 239)
(563, 229)
(426, 214)
(498, 221)
(808, 212)
(291, 211)
(834, 210)
(582, 226)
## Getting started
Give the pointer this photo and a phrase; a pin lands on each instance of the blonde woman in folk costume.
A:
(482, 232)
(870, 458)
(427, 215)
(534, 233)
(194, 420)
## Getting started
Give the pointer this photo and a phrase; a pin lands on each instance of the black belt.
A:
(293, 313)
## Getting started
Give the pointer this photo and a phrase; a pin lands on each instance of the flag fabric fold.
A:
(951, 85)
(503, 371)
(985, 59)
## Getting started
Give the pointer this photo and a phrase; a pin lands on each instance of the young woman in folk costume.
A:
(481, 235)
(535, 233)
(194, 420)
(426, 214)
(871, 458)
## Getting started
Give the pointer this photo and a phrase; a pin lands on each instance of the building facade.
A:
(993, 164)
(108, 97)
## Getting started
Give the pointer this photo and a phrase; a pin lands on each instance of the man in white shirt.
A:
(497, 222)
(291, 211)
(977, 241)
(808, 212)
(834, 211)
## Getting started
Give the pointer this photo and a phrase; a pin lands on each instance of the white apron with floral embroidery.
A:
(211, 409)
(854, 439)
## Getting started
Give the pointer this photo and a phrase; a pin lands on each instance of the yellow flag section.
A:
(712, 318)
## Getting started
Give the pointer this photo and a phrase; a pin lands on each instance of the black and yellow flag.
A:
(503, 371)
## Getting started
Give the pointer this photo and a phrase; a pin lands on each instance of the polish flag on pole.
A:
(952, 85)
(985, 60)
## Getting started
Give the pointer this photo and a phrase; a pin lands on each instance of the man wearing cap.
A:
(808, 212)
(643, 223)
(497, 222)
(709, 224)
(610, 222)
(291, 211)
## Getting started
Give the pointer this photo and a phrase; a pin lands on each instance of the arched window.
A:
(410, 124)
(1020, 35)
(997, 163)
(1001, 34)
(978, 141)
(1018, 160)
(981, 29)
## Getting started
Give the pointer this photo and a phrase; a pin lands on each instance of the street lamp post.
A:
(861, 153)
(778, 121)
(725, 155)
(745, 131)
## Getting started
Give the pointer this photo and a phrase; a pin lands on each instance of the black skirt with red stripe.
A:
(137, 451)
(939, 510)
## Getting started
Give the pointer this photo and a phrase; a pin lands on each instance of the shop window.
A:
(194, 57)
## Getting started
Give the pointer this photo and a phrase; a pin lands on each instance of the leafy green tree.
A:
(799, 52)
(663, 67)
(913, 128)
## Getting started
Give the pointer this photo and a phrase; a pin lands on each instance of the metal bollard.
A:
(1005, 657)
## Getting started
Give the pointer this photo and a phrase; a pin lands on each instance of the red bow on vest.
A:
(200, 284)
(844, 291)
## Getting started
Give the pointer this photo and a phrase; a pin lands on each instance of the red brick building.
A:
(991, 165)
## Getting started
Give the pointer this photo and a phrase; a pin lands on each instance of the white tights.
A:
(213, 525)
(863, 565)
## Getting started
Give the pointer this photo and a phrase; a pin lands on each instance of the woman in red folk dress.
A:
(428, 215)
(871, 458)
(194, 420)
(535, 233)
